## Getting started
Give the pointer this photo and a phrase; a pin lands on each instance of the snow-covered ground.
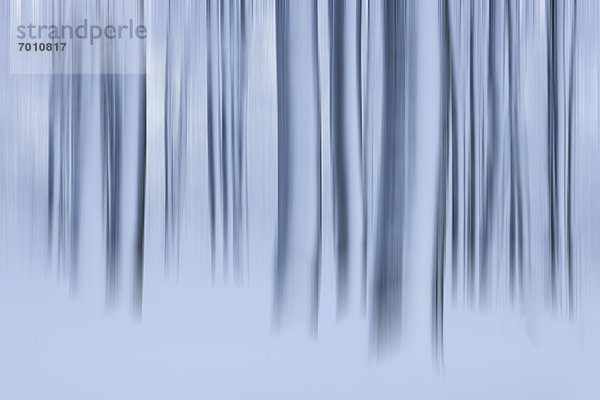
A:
(201, 342)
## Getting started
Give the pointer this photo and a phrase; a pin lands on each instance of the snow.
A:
(195, 341)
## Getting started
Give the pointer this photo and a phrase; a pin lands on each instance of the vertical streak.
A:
(516, 216)
(455, 186)
(571, 295)
(168, 145)
(363, 155)
(298, 246)
(512, 145)
(112, 152)
(471, 189)
(552, 145)
(210, 134)
(339, 136)
(75, 160)
(224, 142)
(281, 21)
(316, 281)
(387, 290)
(51, 139)
(141, 190)
(443, 164)
(492, 167)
